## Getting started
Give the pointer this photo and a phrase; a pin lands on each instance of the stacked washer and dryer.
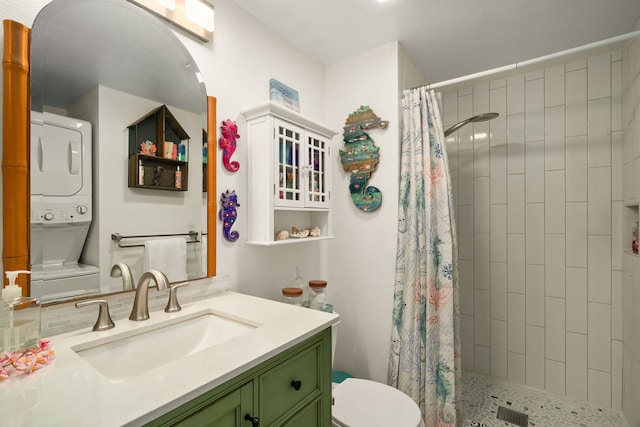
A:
(61, 207)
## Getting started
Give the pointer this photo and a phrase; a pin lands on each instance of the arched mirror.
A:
(96, 68)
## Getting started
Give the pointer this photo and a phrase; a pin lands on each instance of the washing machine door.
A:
(360, 403)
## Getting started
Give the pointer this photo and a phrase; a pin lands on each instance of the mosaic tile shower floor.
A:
(482, 395)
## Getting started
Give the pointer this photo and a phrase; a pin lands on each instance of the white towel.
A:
(203, 252)
(168, 256)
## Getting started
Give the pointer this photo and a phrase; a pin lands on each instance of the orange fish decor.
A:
(360, 157)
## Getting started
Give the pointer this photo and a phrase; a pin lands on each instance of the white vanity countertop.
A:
(70, 392)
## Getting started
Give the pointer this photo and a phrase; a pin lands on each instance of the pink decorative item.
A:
(227, 142)
(25, 362)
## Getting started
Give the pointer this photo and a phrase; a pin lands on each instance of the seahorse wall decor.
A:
(228, 214)
(227, 142)
(360, 157)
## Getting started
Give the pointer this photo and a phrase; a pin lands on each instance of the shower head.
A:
(475, 119)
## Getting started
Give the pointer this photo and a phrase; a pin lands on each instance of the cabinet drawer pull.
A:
(255, 422)
(296, 385)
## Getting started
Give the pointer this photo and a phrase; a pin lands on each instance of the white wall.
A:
(538, 202)
(631, 263)
(361, 257)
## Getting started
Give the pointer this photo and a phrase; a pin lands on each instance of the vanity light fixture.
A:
(194, 16)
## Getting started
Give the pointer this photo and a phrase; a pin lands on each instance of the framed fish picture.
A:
(284, 95)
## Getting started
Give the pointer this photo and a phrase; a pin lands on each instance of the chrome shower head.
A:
(475, 119)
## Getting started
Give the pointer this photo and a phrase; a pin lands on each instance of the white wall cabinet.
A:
(289, 174)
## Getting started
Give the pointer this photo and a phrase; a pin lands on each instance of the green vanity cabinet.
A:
(291, 389)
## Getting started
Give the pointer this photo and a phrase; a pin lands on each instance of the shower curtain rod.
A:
(492, 71)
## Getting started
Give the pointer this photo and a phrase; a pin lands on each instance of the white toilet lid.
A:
(359, 402)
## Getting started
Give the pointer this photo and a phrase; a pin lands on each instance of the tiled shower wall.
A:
(631, 262)
(539, 205)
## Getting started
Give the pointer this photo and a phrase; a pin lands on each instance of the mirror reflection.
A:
(97, 67)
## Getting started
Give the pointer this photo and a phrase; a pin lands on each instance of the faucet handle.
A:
(172, 304)
(104, 321)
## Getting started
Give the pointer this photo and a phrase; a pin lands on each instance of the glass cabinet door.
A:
(288, 145)
(318, 182)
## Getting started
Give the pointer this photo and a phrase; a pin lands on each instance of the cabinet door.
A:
(318, 180)
(310, 415)
(228, 411)
(290, 157)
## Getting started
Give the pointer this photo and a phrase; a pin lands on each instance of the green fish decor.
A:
(360, 157)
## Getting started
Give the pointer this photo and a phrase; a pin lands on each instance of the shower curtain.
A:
(425, 347)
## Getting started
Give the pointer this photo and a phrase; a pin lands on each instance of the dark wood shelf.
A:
(159, 173)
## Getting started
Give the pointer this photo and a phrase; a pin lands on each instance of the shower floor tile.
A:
(482, 395)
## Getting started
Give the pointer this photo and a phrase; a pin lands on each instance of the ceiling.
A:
(445, 38)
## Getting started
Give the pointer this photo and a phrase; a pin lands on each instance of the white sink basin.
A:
(125, 355)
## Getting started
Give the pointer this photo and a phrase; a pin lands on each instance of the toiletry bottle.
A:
(140, 173)
(178, 177)
(19, 317)
(298, 282)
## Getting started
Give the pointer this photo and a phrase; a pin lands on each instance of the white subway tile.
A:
(534, 75)
(498, 126)
(617, 239)
(535, 233)
(576, 366)
(576, 65)
(517, 370)
(516, 322)
(499, 349)
(480, 98)
(465, 177)
(554, 86)
(636, 174)
(515, 204)
(466, 341)
(576, 234)
(515, 94)
(451, 145)
(465, 232)
(465, 111)
(483, 360)
(516, 263)
(599, 336)
(616, 96)
(535, 357)
(576, 309)
(499, 291)
(466, 287)
(616, 305)
(599, 72)
(599, 388)
(449, 109)
(465, 91)
(481, 165)
(482, 205)
(481, 266)
(515, 144)
(616, 375)
(554, 266)
(482, 317)
(576, 102)
(599, 269)
(534, 109)
(497, 83)
(554, 328)
(599, 132)
(554, 201)
(498, 175)
(555, 375)
(577, 160)
(534, 177)
(599, 205)
(616, 166)
(554, 150)
(535, 295)
(499, 233)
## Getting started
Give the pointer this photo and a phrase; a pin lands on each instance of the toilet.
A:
(364, 403)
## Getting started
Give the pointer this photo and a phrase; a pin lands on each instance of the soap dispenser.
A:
(19, 317)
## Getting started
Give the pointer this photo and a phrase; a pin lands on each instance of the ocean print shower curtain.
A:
(425, 347)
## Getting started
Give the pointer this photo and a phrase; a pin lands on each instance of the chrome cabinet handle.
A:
(255, 422)
(104, 321)
(296, 385)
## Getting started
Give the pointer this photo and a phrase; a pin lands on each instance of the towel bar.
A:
(117, 237)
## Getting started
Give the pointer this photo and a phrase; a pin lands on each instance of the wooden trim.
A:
(15, 151)
(212, 191)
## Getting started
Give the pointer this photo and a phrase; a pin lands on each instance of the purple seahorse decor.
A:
(227, 142)
(228, 214)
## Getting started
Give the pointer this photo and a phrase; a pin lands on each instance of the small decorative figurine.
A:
(360, 157)
(228, 214)
(227, 142)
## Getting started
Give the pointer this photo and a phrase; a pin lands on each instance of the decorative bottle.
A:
(178, 177)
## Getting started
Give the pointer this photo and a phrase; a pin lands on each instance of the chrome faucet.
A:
(122, 270)
(140, 309)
